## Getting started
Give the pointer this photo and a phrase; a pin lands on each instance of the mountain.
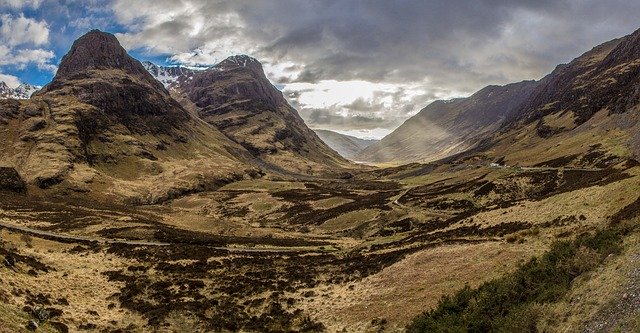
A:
(584, 113)
(167, 75)
(236, 97)
(347, 146)
(23, 91)
(105, 126)
(444, 128)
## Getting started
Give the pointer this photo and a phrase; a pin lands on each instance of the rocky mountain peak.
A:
(98, 50)
(240, 61)
(23, 91)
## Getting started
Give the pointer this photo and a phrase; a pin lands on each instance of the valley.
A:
(288, 254)
(135, 198)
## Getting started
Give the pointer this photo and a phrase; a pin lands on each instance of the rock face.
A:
(445, 128)
(236, 97)
(11, 181)
(98, 50)
(100, 73)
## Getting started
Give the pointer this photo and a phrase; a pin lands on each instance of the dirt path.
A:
(85, 239)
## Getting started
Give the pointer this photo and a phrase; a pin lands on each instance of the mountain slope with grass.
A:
(236, 97)
(445, 128)
(104, 125)
(584, 113)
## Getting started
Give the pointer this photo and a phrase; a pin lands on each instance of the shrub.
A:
(512, 303)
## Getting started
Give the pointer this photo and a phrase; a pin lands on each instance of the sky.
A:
(360, 67)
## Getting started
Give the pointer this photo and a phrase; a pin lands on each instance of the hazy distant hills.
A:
(346, 145)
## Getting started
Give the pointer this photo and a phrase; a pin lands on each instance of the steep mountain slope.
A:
(236, 97)
(584, 113)
(104, 125)
(167, 75)
(445, 128)
(23, 91)
(347, 146)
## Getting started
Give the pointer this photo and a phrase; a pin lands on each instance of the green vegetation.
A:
(513, 303)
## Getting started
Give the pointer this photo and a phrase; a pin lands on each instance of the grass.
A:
(513, 303)
(263, 185)
(330, 203)
(350, 220)
(13, 320)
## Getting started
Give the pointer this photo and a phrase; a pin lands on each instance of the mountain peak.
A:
(97, 50)
(241, 60)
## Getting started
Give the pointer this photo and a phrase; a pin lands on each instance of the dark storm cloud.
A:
(448, 48)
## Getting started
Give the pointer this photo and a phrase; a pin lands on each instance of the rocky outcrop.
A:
(99, 50)
(100, 73)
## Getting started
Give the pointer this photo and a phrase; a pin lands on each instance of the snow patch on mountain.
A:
(168, 75)
(23, 91)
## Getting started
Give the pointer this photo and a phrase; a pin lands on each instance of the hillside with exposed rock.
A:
(104, 125)
(445, 128)
(236, 97)
(582, 114)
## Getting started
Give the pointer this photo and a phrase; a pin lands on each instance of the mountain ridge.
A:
(23, 91)
(105, 126)
(444, 128)
(346, 145)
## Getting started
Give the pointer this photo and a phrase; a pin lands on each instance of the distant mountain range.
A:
(167, 75)
(347, 146)
(22, 91)
(563, 116)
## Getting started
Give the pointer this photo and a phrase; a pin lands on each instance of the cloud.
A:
(17, 33)
(19, 4)
(10, 80)
(407, 52)
(19, 30)
(23, 57)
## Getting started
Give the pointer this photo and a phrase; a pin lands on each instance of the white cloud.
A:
(22, 30)
(21, 58)
(16, 32)
(10, 80)
(18, 4)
